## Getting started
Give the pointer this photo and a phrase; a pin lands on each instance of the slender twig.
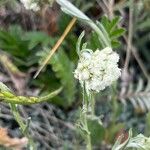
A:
(138, 59)
(125, 75)
(107, 7)
(111, 8)
(102, 5)
(140, 62)
(67, 30)
(130, 34)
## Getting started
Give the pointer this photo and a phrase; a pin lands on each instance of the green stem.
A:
(22, 125)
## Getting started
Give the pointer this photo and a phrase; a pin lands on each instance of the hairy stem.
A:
(100, 34)
(89, 145)
(22, 125)
(92, 104)
(85, 119)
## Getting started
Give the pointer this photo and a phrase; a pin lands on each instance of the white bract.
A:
(30, 4)
(98, 69)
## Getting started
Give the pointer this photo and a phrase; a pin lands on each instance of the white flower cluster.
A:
(98, 69)
(30, 4)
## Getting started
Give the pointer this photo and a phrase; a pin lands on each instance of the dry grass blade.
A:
(67, 30)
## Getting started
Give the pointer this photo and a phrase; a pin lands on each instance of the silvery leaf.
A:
(139, 142)
(78, 46)
(70, 9)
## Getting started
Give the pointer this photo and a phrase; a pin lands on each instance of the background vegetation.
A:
(26, 37)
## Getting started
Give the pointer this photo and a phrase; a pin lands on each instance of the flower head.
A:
(98, 69)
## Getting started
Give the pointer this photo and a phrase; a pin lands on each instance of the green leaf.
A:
(114, 23)
(12, 42)
(97, 131)
(94, 42)
(36, 38)
(117, 33)
(64, 68)
(115, 43)
(105, 21)
(110, 30)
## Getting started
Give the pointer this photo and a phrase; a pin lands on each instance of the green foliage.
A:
(94, 42)
(63, 69)
(114, 32)
(26, 46)
(97, 131)
(8, 96)
(111, 31)
(12, 41)
(22, 44)
(35, 38)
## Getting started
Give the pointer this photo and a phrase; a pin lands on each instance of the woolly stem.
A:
(89, 145)
(85, 119)
(102, 39)
(92, 101)
(22, 126)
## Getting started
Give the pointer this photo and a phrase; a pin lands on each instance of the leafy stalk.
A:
(22, 125)
(70, 9)
(7, 96)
